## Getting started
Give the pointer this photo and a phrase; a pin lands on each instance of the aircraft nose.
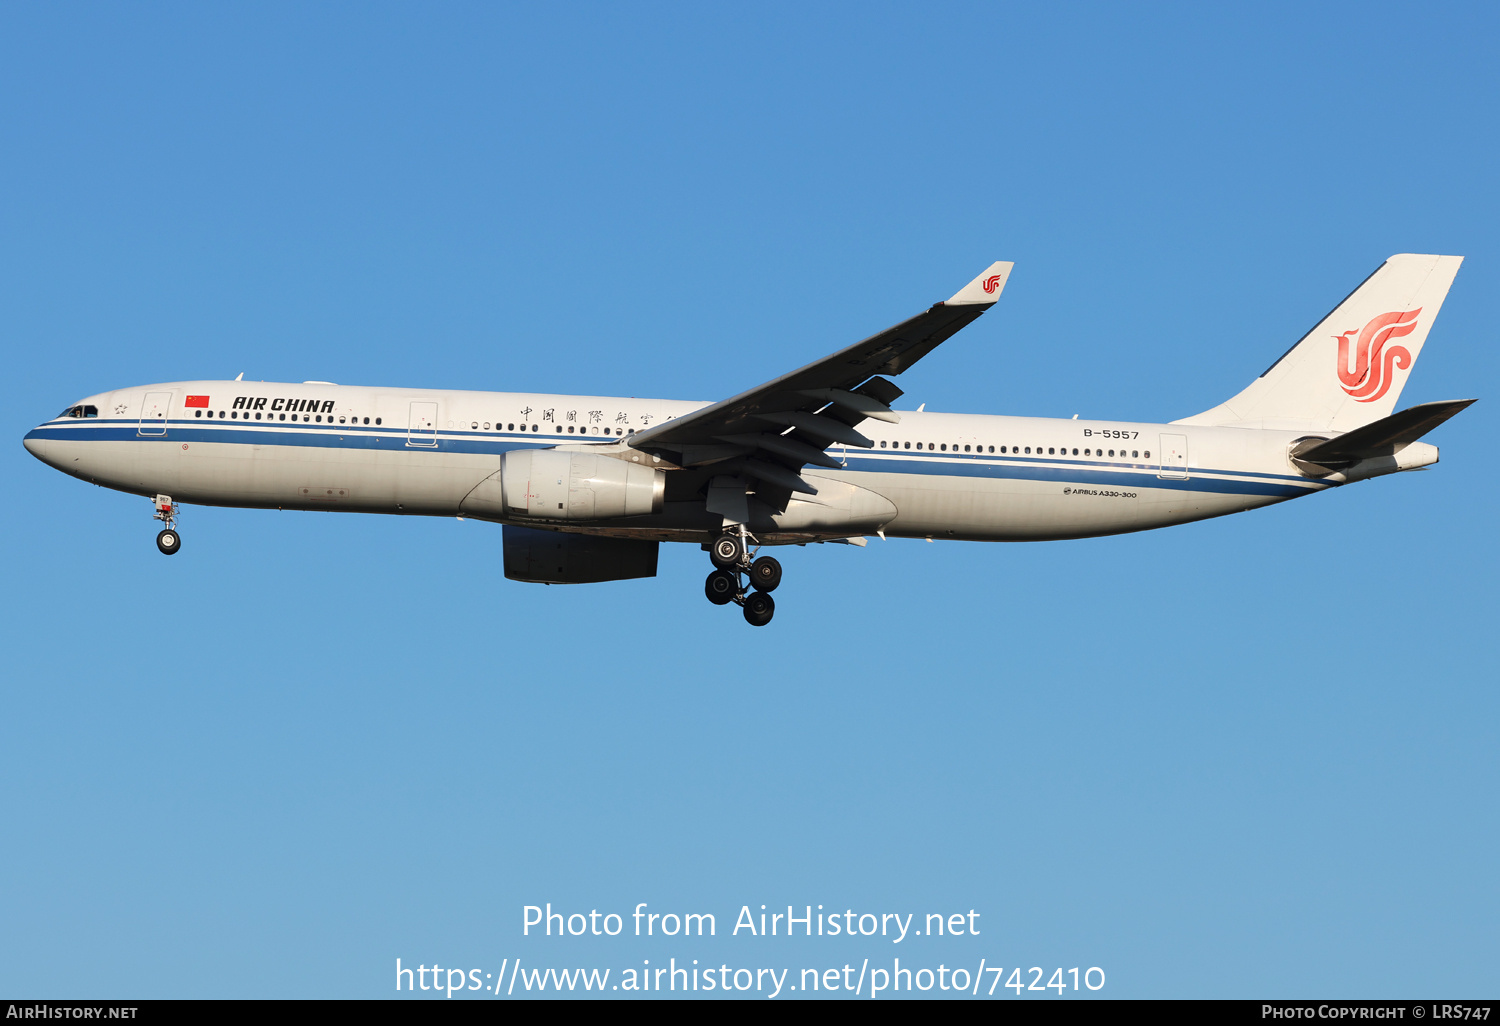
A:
(35, 445)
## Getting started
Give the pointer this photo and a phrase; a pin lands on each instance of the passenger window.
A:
(1147, 454)
(1134, 454)
(945, 447)
(906, 445)
(992, 448)
(1028, 450)
(377, 420)
(281, 417)
(197, 413)
(257, 416)
(1051, 451)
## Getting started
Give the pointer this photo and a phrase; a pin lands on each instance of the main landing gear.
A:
(730, 555)
(168, 541)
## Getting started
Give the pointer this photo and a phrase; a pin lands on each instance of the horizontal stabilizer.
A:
(1384, 437)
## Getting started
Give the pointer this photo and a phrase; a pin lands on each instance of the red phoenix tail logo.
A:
(992, 283)
(1369, 376)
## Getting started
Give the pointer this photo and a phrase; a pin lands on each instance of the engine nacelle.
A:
(545, 484)
(552, 557)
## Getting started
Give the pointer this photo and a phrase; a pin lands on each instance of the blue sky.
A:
(1247, 757)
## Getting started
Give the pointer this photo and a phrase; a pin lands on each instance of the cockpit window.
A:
(80, 411)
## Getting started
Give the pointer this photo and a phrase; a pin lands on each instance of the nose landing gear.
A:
(168, 541)
(729, 553)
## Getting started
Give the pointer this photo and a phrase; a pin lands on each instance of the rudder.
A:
(1350, 369)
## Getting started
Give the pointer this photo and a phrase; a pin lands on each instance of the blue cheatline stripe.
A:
(928, 465)
(1085, 475)
(316, 436)
(451, 441)
(1012, 458)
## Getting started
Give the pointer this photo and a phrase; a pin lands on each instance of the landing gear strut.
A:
(729, 552)
(168, 541)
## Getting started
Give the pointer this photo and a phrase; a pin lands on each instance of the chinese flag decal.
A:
(196, 400)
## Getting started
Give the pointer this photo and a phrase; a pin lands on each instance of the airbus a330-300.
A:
(587, 487)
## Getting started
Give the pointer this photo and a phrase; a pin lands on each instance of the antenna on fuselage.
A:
(240, 376)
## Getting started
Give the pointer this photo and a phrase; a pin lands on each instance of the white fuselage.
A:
(941, 475)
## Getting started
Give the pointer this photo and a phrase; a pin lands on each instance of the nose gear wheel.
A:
(168, 541)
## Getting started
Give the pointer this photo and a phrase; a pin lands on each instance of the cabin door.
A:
(154, 414)
(1174, 457)
(422, 428)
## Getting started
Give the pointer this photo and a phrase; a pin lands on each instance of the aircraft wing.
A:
(770, 432)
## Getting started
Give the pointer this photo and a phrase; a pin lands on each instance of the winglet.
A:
(986, 288)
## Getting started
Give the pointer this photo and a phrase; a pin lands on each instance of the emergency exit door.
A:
(1174, 457)
(154, 413)
(422, 428)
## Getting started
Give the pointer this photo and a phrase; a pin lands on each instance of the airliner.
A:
(586, 488)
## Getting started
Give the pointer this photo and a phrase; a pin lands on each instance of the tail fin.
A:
(1350, 369)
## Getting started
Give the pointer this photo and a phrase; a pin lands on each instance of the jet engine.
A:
(546, 484)
(552, 557)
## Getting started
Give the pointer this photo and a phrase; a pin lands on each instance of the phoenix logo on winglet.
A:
(1370, 377)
